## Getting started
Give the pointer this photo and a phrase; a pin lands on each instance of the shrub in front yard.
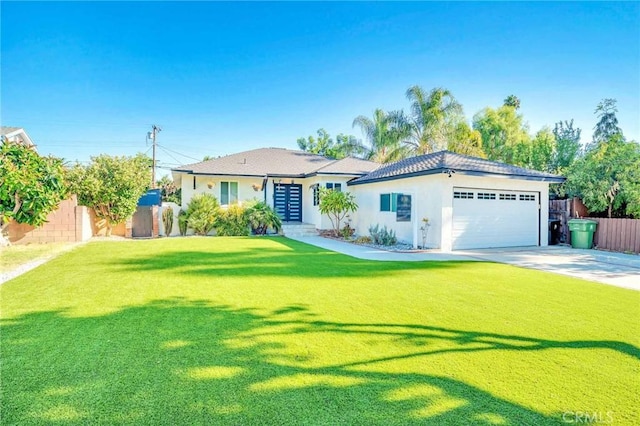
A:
(262, 217)
(363, 240)
(232, 221)
(183, 222)
(382, 236)
(202, 212)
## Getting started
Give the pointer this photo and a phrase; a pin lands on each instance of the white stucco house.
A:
(287, 180)
(470, 202)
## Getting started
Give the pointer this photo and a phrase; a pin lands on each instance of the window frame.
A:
(229, 184)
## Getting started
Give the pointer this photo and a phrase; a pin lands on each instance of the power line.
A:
(169, 154)
(176, 152)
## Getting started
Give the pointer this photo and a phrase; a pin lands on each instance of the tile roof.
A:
(443, 161)
(277, 162)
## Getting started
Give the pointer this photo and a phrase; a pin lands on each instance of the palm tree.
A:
(386, 133)
(434, 118)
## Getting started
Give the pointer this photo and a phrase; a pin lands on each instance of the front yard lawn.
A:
(271, 331)
(14, 256)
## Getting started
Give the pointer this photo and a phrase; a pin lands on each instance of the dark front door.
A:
(142, 222)
(287, 200)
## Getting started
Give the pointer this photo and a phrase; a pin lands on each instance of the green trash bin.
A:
(582, 231)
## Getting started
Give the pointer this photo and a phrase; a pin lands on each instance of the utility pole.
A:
(152, 135)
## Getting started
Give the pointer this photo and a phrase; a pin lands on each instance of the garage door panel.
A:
(483, 223)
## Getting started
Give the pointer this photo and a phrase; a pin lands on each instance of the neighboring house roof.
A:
(16, 134)
(277, 162)
(449, 162)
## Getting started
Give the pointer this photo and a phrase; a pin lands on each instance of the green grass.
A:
(270, 331)
(16, 255)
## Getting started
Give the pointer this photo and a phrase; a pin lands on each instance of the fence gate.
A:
(142, 222)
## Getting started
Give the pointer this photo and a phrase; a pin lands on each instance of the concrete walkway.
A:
(369, 253)
(618, 269)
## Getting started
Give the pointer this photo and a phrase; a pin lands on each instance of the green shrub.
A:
(183, 222)
(382, 236)
(202, 211)
(261, 217)
(232, 221)
(167, 220)
(347, 231)
(363, 240)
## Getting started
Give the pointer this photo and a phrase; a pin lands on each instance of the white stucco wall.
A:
(432, 197)
(310, 213)
(175, 230)
(203, 183)
(425, 194)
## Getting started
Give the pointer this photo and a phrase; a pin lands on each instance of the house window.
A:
(385, 202)
(228, 193)
(328, 185)
(335, 186)
(508, 197)
(316, 195)
(389, 202)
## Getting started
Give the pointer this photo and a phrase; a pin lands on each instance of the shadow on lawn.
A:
(285, 258)
(183, 362)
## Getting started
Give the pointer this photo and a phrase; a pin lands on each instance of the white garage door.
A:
(484, 218)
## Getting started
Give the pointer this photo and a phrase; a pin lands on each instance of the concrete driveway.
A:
(622, 270)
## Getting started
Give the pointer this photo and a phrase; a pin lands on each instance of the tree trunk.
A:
(108, 230)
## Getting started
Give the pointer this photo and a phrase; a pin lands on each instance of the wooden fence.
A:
(564, 210)
(621, 235)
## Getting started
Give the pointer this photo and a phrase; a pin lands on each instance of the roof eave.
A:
(550, 179)
(259, 175)
(354, 174)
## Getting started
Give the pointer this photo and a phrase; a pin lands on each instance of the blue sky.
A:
(85, 78)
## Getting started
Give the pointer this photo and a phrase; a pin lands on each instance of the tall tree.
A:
(607, 124)
(512, 101)
(168, 190)
(323, 144)
(111, 186)
(567, 147)
(350, 146)
(386, 134)
(504, 135)
(542, 149)
(466, 141)
(607, 178)
(31, 186)
(434, 118)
